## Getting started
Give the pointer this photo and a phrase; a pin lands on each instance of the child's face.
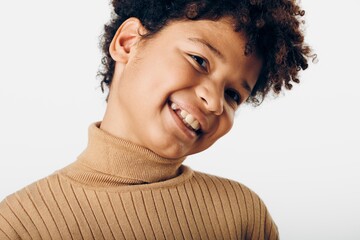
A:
(167, 77)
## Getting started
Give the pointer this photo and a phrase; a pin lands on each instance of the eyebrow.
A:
(209, 46)
(246, 86)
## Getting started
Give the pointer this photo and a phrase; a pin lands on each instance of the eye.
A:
(233, 95)
(200, 61)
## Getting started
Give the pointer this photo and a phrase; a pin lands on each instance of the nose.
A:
(212, 97)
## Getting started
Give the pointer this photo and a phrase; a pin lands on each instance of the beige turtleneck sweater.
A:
(118, 190)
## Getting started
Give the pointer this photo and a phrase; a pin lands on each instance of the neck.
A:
(112, 159)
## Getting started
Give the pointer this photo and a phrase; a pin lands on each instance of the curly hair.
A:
(273, 29)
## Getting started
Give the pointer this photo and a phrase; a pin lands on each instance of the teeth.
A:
(184, 113)
(174, 106)
(187, 117)
(190, 120)
(195, 125)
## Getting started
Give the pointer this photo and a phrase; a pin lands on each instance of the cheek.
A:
(227, 121)
(177, 74)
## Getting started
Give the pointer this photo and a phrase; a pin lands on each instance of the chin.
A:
(170, 151)
(177, 152)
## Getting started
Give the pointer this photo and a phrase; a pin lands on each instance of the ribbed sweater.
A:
(118, 190)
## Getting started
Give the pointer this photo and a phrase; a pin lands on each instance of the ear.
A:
(125, 39)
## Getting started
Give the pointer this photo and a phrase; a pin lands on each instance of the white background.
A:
(299, 152)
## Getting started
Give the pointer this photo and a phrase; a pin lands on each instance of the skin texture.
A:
(150, 74)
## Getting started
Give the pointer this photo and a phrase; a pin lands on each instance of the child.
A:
(177, 72)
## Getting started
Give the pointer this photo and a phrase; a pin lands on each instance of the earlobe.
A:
(125, 39)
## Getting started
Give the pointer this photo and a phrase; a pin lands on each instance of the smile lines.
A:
(187, 118)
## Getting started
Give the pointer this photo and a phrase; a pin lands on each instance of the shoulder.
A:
(236, 199)
(226, 187)
(23, 214)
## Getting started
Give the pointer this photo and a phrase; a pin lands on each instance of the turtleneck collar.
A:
(114, 160)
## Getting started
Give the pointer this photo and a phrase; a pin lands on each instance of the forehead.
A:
(219, 32)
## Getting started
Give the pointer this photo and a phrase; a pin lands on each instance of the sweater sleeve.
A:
(254, 218)
(8, 222)
(29, 213)
(270, 228)
(261, 224)
(23, 214)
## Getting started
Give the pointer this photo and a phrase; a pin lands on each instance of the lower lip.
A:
(179, 122)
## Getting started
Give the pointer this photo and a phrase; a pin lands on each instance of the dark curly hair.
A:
(273, 29)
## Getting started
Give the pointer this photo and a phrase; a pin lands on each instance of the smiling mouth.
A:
(189, 120)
